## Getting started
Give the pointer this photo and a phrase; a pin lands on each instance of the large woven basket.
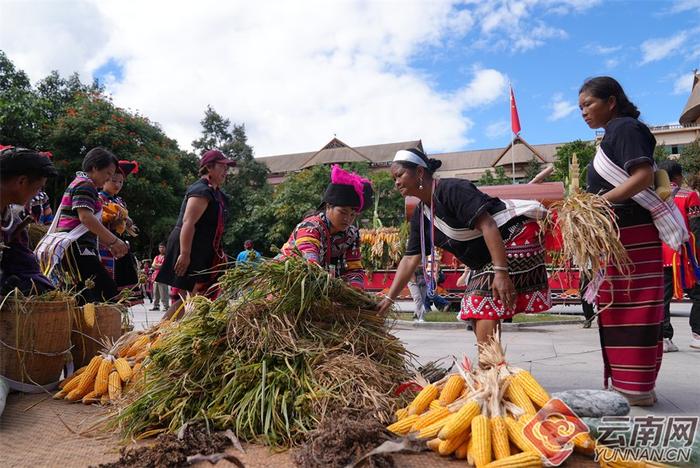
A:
(34, 339)
(87, 340)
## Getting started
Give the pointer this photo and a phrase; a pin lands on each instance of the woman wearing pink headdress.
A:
(329, 237)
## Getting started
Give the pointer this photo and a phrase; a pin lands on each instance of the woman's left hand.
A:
(384, 306)
(504, 289)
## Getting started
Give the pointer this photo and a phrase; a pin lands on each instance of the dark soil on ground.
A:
(170, 451)
(341, 439)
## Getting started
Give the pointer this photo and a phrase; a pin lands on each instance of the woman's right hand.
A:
(384, 306)
(119, 249)
(181, 265)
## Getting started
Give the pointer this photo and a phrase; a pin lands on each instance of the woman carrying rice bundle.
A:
(115, 217)
(329, 237)
(496, 239)
(631, 302)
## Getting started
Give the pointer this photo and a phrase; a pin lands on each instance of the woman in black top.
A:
(632, 304)
(496, 239)
(194, 246)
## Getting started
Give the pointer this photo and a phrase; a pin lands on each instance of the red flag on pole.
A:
(514, 119)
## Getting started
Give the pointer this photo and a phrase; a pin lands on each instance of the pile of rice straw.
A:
(282, 348)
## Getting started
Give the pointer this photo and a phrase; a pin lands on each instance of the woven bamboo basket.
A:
(34, 339)
(86, 340)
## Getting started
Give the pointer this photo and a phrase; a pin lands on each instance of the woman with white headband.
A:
(497, 239)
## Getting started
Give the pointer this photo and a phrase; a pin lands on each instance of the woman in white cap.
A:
(497, 239)
(194, 247)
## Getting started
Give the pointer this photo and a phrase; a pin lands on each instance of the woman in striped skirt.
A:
(632, 305)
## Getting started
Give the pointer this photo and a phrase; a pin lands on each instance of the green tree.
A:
(689, 158)
(585, 150)
(20, 110)
(661, 153)
(154, 194)
(250, 194)
(389, 204)
(486, 179)
(533, 168)
(299, 194)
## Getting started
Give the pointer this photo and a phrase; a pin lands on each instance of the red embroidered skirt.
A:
(630, 329)
(525, 253)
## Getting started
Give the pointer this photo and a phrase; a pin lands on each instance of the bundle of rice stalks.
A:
(284, 346)
(590, 237)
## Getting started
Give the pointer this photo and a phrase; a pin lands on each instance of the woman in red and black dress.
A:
(194, 247)
(497, 239)
(632, 306)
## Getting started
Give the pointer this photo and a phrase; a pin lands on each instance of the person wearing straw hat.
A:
(69, 252)
(194, 249)
(329, 237)
(115, 217)
(497, 239)
(23, 172)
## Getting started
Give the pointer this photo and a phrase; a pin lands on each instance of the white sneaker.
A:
(420, 320)
(669, 347)
(695, 341)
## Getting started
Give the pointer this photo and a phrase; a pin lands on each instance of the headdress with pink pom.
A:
(348, 189)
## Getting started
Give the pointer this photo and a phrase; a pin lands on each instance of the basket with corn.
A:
(106, 376)
(479, 415)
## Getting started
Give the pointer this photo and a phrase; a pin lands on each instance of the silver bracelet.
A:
(500, 268)
(390, 299)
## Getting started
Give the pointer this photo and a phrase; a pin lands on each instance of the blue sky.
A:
(298, 73)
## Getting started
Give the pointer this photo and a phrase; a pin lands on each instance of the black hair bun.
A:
(434, 165)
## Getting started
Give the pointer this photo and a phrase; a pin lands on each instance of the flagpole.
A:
(512, 154)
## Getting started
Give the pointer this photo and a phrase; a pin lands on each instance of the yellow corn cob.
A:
(71, 377)
(448, 447)
(583, 443)
(470, 451)
(461, 452)
(89, 314)
(92, 397)
(524, 460)
(452, 389)
(430, 417)
(431, 431)
(605, 453)
(435, 404)
(102, 378)
(72, 384)
(76, 394)
(481, 434)
(515, 433)
(423, 399)
(433, 444)
(115, 386)
(532, 388)
(104, 399)
(499, 438)
(403, 426)
(137, 368)
(400, 413)
(60, 395)
(516, 394)
(87, 378)
(461, 420)
(123, 369)
(138, 345)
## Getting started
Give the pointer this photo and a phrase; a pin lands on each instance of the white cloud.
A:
(683, 84)
(680, 6)
(611, 63)
(657, 49)
(497, 129)
(560, 108)
(294, 72)
(487, 86)
(598, 49)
